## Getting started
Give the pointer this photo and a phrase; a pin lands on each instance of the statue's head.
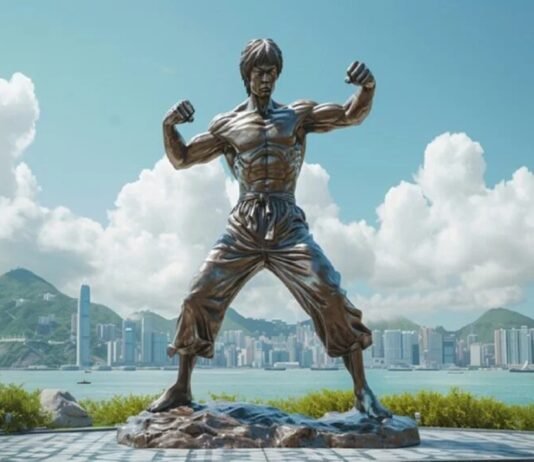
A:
(261, 64)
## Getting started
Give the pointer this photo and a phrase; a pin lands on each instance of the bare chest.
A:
(249, 131)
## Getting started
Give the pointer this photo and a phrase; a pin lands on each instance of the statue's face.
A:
(262, 80)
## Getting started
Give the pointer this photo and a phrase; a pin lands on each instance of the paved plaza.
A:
(437, 444)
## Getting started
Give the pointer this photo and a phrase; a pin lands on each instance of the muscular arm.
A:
(201, 149)
(328, 116)
(325, 117)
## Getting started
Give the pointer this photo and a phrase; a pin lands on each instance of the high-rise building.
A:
(230, 354)
(293, 348)
(525, 350)
(488, 355)
(431, 348)
(105, 332)
(128, 342)
(409, 340)
(114, 352)
(513, 346)
(449, 349)
(306, 357)
(392, 346)
(497, 341)
(83, 336)
(475, 355)
(147, 331)
(461, 353)
(378, 344)
(159, 349)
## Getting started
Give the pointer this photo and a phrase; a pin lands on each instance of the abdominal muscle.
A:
(268, 169)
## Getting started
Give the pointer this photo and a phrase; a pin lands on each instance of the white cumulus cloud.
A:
(19, 111)
(444, 239)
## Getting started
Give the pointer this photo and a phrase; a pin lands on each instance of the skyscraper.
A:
(475, 354)
(392, 346)
(378, 344)
(449, 348)
(147, 332)
(83, 337)
(128, 342)
(409, 340)
(431, 350)
(513, 346)
(525, 353)
(497, 340)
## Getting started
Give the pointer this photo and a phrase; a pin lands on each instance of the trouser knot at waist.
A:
(263, 212)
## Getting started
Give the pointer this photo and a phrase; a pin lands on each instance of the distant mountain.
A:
(496, 318)
(400, 322)
(24, 298)
(255, 327)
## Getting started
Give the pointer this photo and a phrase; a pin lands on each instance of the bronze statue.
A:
(264, 144)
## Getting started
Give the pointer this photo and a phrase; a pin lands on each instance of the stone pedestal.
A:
(242, 425)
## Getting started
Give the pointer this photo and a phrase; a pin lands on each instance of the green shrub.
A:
(226, 397)
(117, 409)
(316, 404)
(21, 409)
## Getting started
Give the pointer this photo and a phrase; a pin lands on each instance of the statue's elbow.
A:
(177, 162)
(358, 117)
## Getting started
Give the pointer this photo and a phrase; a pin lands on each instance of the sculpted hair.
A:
(259, 52)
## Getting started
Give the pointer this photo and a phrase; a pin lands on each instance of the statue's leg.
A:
(366, 401)
(220, 278)
(178, 394)
(314, 282)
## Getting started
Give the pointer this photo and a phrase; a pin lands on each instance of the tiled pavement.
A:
(437, 444)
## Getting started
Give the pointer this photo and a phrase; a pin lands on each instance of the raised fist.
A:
(180, 113)
(359, 74)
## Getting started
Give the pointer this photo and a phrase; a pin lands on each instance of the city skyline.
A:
(425, 209)
(142, 341)
(392, 348)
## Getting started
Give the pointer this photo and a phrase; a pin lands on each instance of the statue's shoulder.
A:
(303, 106)
(220, 122)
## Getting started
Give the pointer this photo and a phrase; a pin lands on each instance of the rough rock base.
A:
(242, 425)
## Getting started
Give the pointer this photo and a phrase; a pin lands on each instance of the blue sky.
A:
(105, 73)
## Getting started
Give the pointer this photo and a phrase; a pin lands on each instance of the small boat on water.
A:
(524, 368)
(83, 382)
(272, 368)
(400, 369)
(326, 368)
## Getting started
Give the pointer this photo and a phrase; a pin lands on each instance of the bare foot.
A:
(173, 397)
(367, 403)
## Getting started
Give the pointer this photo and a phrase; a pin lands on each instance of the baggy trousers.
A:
(269, 230)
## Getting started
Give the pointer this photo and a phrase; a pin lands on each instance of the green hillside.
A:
(235, 321)
(255, 327)
(24, 297)
(496, 318)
